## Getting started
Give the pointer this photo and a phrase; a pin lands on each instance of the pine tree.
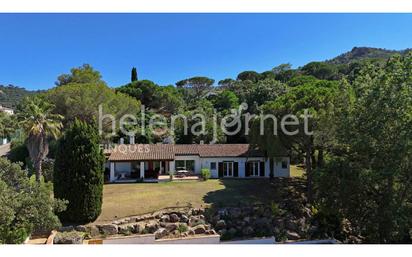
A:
(78, 173)
(134, 74)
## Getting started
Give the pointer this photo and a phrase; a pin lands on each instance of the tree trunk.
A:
(38, 169)
(313, 159)
(308, 164)
(38, 150)
(320, 158)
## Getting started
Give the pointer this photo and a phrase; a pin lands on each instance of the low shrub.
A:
(19, 153)
(72, 237)
(182, 228)
(48, 169)
(205, 174)
(274, 207)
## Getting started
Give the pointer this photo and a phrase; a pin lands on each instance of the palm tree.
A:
(40, 125)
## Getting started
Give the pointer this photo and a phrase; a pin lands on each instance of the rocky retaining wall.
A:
(165, 224)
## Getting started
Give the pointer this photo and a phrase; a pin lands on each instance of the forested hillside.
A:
(362, 53)
(11, 95)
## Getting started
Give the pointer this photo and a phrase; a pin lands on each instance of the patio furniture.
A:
(182, 173)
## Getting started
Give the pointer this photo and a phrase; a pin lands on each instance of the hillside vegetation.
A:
(11, 95)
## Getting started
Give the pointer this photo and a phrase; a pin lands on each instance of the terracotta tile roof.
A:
(191, 149)
(168, 152)
(227, 150)
(142, 152)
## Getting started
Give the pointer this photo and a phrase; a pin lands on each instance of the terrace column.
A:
(141, 169)
(172, 167)
(161, 168)
(267, 167)
(242, 164)
(112, 178)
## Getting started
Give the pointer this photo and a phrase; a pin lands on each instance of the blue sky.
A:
(165, 48)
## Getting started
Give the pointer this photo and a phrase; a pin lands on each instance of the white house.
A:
(223, 160)
(6, 110)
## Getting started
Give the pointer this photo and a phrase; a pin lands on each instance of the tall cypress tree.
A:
(78, 173)
(134, 74)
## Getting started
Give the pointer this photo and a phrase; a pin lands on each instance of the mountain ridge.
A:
(11, 95)
(363, 52)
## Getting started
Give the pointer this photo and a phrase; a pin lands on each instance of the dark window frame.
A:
(284, 164)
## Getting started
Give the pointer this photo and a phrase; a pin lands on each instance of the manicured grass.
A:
(122, 200)
(296, 172)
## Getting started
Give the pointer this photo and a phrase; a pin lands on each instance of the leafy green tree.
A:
(82, 101)
(320, 70)
(26, 205)
(171, 100)
(134, 74)
(78, 172)
(7, 125)
(39, 124)
(145, 91)
(301, 80)
(249, 75)
(372, 161)
(282, 68)
(226, 83)
(195, 88)
(284, 72)
(205, 108)
(318, 100)
(225, 101)
(262, 92)
(84, 74)
(267, 75)
(19, 153)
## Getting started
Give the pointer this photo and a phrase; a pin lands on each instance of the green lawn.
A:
(122, 200)
(296, 171)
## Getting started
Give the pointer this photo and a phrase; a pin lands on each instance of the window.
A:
(156, 166)
(228, 169)
(180, 165)
(188, 165)
(213, 165)
(254, 168)
(284, 164)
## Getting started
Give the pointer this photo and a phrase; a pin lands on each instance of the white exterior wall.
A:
(205, 163)
(240, 160)
(112, 177)
(172, 167)
(279, 171)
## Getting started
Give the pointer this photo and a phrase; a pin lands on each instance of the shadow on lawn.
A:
(241, 192)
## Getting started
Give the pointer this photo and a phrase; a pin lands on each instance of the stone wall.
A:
(165, 224)
(259, 221)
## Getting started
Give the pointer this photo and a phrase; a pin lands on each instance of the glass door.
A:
(254, 168)
(228, 169)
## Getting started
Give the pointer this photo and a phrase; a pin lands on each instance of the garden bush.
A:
(78, 173)
(205, 174)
